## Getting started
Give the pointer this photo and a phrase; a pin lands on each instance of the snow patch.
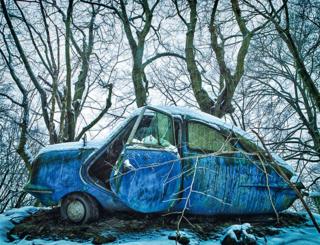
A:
(42, 242)
(29, 154)
(314, 194)
(298, 234)
(94, 144)
(302, 234)
(282, 163)
(10, 217)
(8, 220)
(242, 237)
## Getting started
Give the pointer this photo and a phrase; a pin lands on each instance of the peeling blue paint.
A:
(151, 184)
(234, 185)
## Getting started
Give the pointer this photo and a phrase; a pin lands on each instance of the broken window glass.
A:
(165, 130)
(204, 138)
(155, 130)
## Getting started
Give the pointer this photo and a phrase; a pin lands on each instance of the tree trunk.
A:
(204, 101)
(69, 133)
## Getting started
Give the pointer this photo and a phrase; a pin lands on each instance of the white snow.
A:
(299, 234)
(42, 242)
(243, 228)
(93, 144)
(127, 165)
(305, 234)
(314, 194)
(8, 218)
(282, 163)
(28, 152)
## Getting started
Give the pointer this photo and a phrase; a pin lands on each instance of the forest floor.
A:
(123, 227)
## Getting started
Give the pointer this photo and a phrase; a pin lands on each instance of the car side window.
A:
(155, 130)
(207, 139)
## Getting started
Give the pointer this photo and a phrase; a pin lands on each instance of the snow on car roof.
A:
(199, 115)
(92, 144)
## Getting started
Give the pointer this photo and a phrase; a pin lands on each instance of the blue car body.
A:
(149, 164)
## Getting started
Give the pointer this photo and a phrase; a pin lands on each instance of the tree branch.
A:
(159, 55)
(101, 114)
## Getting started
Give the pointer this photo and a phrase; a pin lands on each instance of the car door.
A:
(147, 175)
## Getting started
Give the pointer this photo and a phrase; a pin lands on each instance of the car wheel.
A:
(79, 208)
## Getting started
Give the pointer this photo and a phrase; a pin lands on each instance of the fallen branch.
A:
(280, 171)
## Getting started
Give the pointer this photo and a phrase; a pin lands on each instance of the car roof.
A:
(191, 114)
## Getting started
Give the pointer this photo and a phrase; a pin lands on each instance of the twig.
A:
(269, 191)
(188, 198)
(280, 171)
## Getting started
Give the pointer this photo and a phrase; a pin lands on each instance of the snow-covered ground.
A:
(303, 234)
(11, 217)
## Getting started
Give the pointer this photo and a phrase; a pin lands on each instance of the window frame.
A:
(138, 121)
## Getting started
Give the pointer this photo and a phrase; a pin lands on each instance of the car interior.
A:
(101, 169)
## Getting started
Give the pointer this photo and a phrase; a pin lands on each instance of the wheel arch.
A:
(89, 209)
(81, 193)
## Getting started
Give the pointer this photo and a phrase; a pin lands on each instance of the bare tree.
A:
(283, 21)
(61, 96)
(137, 21)
(219, 43)
(13, 167)
(288, 73)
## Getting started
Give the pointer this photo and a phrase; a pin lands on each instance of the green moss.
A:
(203, 137)
(36, 187)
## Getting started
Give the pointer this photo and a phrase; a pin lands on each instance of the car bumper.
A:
(44, 194)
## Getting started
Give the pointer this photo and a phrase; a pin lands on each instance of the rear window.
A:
(207, 139)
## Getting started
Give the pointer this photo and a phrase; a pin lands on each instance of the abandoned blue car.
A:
(162, 159)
